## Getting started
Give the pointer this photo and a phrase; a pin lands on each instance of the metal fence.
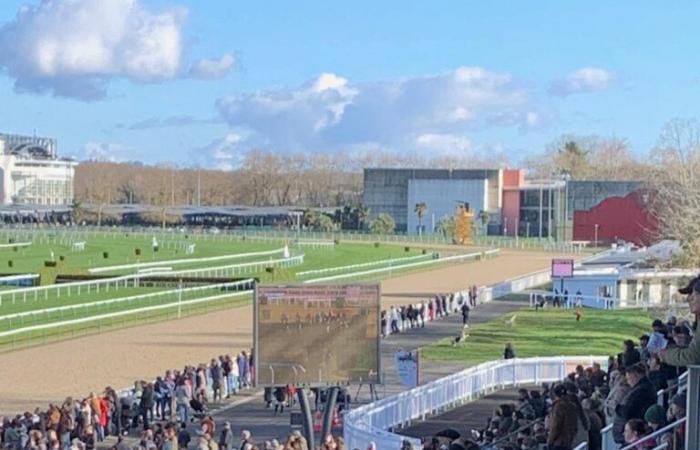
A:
(375, 421)
(69, 234)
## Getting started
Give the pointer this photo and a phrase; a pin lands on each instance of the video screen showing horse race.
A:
(317, 335)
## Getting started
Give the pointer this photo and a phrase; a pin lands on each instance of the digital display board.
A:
(562, 268)
(317, 334)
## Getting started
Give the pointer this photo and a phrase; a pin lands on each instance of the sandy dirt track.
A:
(36, 376)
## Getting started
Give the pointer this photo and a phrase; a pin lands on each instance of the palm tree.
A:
(420, 210)
(484, 217)
(362, 215)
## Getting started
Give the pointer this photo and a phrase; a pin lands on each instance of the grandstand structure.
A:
(33, 174)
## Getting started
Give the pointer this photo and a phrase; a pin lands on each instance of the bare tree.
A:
(676, 203)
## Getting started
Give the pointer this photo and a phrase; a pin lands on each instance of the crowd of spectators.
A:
(639, 393)
(157, 410)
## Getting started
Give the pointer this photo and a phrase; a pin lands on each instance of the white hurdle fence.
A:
(378, 420)
(237, 269)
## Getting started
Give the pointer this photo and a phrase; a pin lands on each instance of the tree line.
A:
(312, 180)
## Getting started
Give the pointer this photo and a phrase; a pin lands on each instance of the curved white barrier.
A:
(373, 421)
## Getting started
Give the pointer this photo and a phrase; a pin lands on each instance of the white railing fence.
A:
(373, 422)
(390, 268)
(574, 301)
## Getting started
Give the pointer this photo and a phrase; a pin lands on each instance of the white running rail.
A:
(172, 262)
(465, 257)
(361, 265)
(373, 422)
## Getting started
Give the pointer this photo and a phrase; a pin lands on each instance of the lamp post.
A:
(595, 237)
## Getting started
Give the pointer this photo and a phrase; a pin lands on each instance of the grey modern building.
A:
(397, 191)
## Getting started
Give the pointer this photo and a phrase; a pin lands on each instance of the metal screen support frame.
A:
(307, 424)
(328, 412)
(692, 429)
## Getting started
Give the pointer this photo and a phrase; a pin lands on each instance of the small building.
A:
(629, 274)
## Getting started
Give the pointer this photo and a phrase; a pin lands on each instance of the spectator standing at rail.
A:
(182, 401)
(465, 313)
(509, 351)
(242, 361)
(146, 405)
(280, 394)
(394, 317)
(217, 379)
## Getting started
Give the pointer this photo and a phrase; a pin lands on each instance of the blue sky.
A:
(191, 82)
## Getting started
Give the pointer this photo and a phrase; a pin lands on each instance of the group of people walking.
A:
(401, 318)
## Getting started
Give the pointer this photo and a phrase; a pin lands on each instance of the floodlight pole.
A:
(307, 421)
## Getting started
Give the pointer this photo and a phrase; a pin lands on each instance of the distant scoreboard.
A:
(317, 334)
(562, 268)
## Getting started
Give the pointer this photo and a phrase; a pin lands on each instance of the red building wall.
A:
(618, 218)
(511, 199)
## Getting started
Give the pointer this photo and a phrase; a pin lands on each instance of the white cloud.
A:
(74, 47)
(330, 113)
(587, 79)
(212, 69)
(224, 154)
(105, 152)
(444, 144)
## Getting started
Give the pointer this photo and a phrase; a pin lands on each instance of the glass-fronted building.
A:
(31, 173)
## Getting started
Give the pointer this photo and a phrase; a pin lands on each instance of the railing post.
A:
(692, 430)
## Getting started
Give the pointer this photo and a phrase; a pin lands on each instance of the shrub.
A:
(270, 269)
(105, 255)
(383, 224)
(10, 263)
(407, 249)
(376, 245)
(425, 251)
(49, 263)
(137, 251)
(61, 258)
(336, 241)
(15, 249)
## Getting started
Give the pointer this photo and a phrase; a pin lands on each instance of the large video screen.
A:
(317, 334)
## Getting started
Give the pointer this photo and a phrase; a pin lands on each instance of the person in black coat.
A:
(631, 355)
(635, 403)
(509, 351)
(280, 398)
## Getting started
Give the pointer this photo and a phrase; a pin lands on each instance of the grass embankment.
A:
(550, 332)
